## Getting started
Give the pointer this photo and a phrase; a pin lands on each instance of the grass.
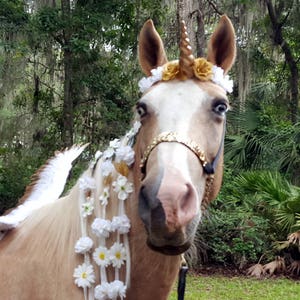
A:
(239, 288)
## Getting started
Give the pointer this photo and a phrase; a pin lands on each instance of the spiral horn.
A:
(186, 59)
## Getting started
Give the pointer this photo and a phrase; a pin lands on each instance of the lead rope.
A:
(182, 278)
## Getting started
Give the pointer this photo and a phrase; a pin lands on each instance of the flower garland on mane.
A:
(203, 70)
(117, 159)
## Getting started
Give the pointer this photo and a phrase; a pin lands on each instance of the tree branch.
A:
(51, 88)
(294, 72)
(41, 64)
(214, 6)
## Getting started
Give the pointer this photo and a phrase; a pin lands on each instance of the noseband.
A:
(208, 168)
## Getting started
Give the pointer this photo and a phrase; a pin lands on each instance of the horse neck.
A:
(48, 235)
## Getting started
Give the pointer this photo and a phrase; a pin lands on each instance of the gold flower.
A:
(122, 168)
(171, 69)
(202, 69)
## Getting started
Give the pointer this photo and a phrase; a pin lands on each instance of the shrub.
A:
(234, 237)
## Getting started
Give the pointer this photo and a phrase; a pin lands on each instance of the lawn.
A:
(239, 288)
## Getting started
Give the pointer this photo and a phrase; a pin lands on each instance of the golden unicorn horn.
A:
(186, 59)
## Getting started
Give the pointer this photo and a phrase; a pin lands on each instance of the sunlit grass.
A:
(239, 288)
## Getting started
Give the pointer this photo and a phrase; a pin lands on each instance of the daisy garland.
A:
(116, 161)
(203, 70)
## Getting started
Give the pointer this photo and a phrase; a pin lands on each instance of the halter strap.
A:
(174, 137)
(208, 168)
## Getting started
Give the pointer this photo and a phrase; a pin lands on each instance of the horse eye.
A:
(220, 108)
(141, 109)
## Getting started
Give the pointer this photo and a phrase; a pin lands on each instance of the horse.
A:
(172, 172)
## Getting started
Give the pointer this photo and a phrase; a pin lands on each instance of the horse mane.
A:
(47, 184)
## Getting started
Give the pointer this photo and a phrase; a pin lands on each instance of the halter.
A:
(208, 168)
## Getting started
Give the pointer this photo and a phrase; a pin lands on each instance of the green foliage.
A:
(234, 236)
(264, 140)
(16, 167)
(101, 37)
(12, 13)
(252, 213)
(277, 198)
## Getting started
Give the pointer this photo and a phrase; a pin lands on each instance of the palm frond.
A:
(279, 197)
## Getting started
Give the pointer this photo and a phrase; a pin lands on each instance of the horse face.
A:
(173, 181)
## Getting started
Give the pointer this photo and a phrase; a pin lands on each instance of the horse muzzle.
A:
(169, 210)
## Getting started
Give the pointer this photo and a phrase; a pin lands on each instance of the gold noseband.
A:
(173, 137)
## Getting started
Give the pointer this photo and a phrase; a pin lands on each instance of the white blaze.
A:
(175, 104)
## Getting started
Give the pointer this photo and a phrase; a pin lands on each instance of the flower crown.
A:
(203, 70)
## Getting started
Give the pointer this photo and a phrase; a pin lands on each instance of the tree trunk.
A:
(67, 131)
(243, 67)
(290, 60)
(190, 12)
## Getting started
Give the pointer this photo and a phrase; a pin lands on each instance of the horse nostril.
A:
(188, 205)
(150, 208)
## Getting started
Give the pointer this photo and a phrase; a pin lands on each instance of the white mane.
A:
(51, 180)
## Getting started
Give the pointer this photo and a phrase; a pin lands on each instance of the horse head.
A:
(180, 143)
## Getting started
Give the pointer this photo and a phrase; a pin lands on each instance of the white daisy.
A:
(126, 154)
(87, 208)
(221, 80)
(84, 275)
(102, 290)
(146, 83)
(98, 154)
(108, 153)
(117, 289)
(104, 197)
(106, 168)
(115, 143)
(121, 224)
(87, 183)
(83, 245)
(123, 187)
(101, 227)
(101, 256)
(134, 130)
(117, 255)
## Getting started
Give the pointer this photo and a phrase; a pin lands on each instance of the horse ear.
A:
(221, 47)
(151, 49)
